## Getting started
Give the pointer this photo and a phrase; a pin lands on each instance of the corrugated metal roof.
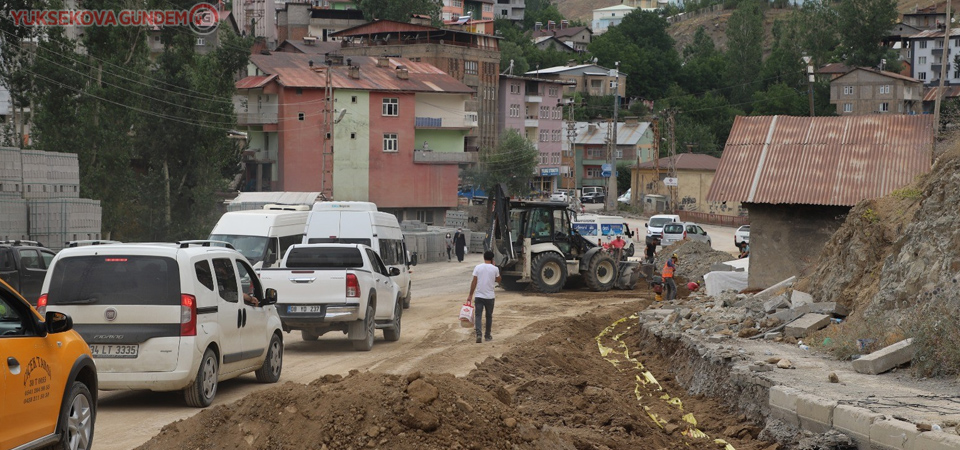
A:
(627, 134)
(821, 160)
(560, 32)
(930, 94)
(382, 26)
(293, 70)
(685, 161)
(254, 82)
(882, 73)
(935, 33)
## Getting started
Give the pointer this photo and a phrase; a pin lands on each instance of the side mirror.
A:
(413, 259)
(58, 322)
(271, 296)
(394, 271)
(645, 224)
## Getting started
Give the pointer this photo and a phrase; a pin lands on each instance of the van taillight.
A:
(353, 286)
(42, 305)
(188, 315)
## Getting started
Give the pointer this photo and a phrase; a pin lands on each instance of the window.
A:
(595, 83)
(514, 88)
(848, 90)
(939, 43)
(226, 280)
(390, 142)
(391, 107)
(156, 39)
(884, 107)
(543, 136)
(544, 112)
(200, 42)
(487, 8)
(922, 44)
(514, 110)
(299, 91)
(30, 259)
(353, 135)
(922, 75)
(594, 172)
(553, 92)
(922, 60)
(885, 89)
(618, 154)
(847, 107)
(353, 99)
(470, 67)
(300, 116)
(956, 73)
(503, 12)
(204, 274)
(956, 42)
(249, 281)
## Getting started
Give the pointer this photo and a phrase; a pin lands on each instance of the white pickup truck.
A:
(336, 287)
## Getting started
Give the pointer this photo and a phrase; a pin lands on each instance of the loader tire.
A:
(601, 274)
(549, 273)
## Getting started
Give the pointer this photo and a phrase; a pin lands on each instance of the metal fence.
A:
(713, 219)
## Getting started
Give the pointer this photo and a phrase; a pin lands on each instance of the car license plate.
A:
(114, 350)
(304, 308)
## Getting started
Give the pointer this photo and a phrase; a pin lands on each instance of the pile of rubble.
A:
(695, 259)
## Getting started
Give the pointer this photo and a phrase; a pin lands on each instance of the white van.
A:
(261, 235)
(362, 223)
(603, 229)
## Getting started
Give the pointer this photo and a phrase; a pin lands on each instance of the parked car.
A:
(656, 223)
(678, 231)
(23, 264)
(741, 235)
(592, 190)
(49, 388)
(560, 197)
(593, 197)
(337, 287)
(625, 198)
(167, 317)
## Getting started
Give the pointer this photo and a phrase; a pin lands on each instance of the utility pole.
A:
(810, 78)
(944, 62)
(672, 158)
(327, 138)
(571, 136)
(612, 156)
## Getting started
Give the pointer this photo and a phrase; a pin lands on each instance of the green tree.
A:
(510, 51)
(623, 176)
(781, 99)
(817, 25)
(398, 10)
(703, 65)
(695, 114)
(512, 162)
(862, 25)
(645, 51)
(785, 64)
(541, 11)
(744, 51)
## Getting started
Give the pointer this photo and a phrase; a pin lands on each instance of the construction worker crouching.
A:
(670, 287)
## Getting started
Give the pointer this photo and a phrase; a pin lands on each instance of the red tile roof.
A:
(821, 160)
(560, 32)
(254, 82)
(685, 161)
(930, 94)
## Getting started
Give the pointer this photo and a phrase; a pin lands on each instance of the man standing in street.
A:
(459, 244)
(485, 278)
(667, 273)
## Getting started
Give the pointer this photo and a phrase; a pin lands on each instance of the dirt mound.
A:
(695, 257)
(578, 386)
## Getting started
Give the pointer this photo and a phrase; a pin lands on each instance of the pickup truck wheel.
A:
(392, 333)
(77, 415)
(308, 335)
(549, 272)
(270, 371)
(601, 274)
(365, 344)
(408, 297)
(200, 394)
(630, 251)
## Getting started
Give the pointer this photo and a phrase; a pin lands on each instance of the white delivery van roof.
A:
(257, 222)
(344, 206)
(599, 218)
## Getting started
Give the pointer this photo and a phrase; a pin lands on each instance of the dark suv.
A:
(23, 264)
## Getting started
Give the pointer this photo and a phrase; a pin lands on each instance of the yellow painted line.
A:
(644, 379)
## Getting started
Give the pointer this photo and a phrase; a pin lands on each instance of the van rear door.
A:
(127, 308)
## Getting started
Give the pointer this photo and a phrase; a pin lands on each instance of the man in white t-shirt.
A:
(485, 278)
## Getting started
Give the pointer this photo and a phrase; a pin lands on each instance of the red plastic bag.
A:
(466, 315)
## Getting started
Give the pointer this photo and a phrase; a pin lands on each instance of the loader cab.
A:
(543, 223)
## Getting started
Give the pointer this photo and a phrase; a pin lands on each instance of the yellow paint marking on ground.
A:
(646, 378)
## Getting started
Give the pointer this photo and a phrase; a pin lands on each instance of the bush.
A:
(841, 340)
(935, 336)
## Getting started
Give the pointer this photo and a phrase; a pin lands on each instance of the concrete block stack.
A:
(455, 218)
(39, 198)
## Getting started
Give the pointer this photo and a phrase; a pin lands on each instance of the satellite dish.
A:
(340, 116)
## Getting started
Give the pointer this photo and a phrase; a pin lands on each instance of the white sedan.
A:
(741, 235)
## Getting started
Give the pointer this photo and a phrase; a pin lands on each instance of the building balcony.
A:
(533, 99)
(531, 122)
(430, 157)
(448, 123)
(255, 118)
(471, 119)
(938, 53)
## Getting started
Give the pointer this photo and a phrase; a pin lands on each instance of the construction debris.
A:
(886, 358)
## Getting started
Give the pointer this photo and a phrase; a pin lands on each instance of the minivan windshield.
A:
(254, 248)
(658, 222)
(115, 280)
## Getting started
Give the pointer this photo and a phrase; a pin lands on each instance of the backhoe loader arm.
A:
(500, 239)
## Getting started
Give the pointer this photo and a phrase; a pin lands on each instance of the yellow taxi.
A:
(48, 381)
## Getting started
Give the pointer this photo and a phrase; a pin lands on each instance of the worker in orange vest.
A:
(667, 274)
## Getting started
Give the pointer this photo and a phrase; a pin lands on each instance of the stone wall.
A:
(786, 240)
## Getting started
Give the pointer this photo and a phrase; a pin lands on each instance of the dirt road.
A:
(721, 237)
(431, 341)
